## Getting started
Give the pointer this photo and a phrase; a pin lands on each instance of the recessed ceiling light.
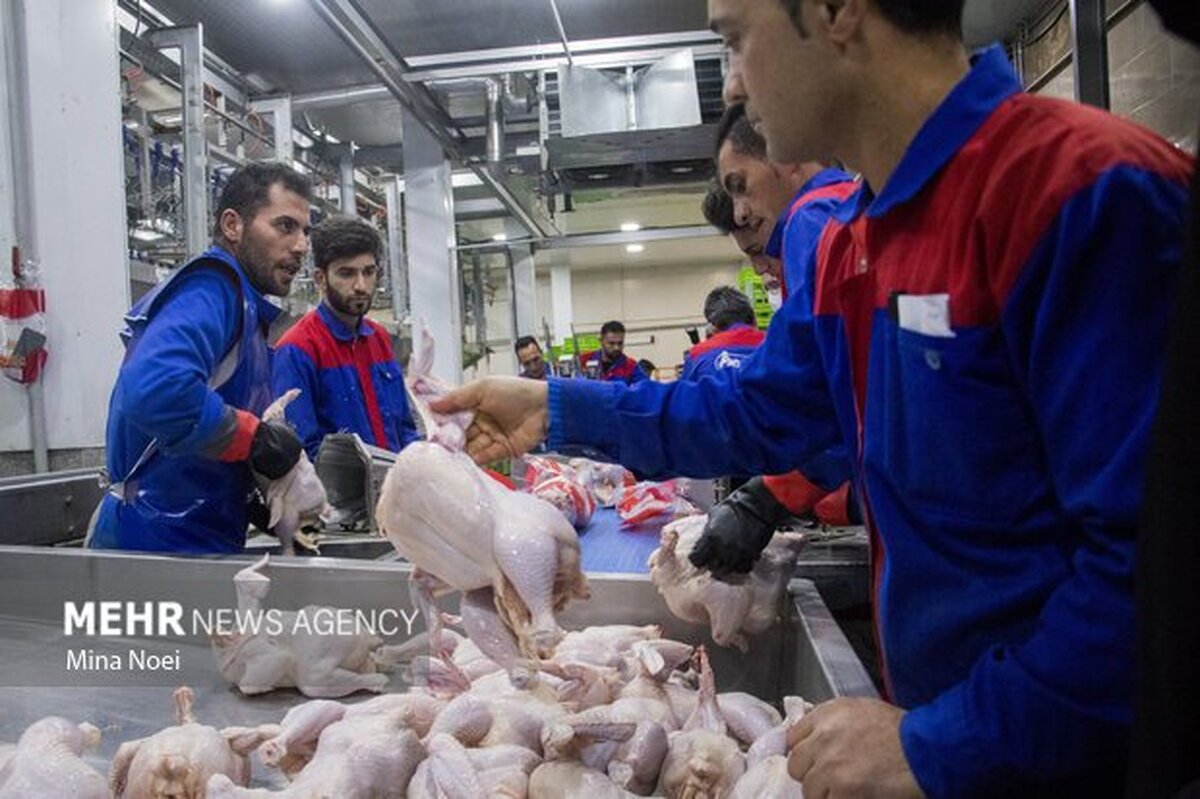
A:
(500, 237)
(630, 227)
(634, 249)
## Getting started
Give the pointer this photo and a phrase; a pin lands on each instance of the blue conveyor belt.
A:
(606, 546)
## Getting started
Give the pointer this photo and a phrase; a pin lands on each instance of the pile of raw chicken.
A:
(617, 712)
(517, 707)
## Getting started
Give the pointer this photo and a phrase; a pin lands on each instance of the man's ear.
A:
(232, 226)
(840, 20)
(320, 277)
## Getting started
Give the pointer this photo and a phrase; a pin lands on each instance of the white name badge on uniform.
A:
(928, 314)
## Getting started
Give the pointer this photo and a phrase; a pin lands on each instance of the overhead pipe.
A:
(495, 122)
(349, 24)
(25, 253)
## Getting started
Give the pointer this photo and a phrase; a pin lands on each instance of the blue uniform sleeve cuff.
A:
(582, 412)
(942, 750)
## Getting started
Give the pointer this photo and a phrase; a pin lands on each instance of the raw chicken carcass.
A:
(733, 611)
(768, 777)
(703, 762)
(293, 742)
(329, 665)
(565, 779)
(369, 757)
(454, 523)
(47, 763)
(176, 763)
(452, 771)
(470, 534)
(296, 498)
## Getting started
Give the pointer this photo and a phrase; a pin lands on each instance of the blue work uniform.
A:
(985, 337)
(169, 425)
(349, 381)
(720, 351)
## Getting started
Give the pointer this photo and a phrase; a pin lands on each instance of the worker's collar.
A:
(989, 83)
(268, 312)
(826, 177)
(338, 328)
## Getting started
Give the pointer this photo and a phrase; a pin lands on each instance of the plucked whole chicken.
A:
(177, 762)
(733, 611)
(317, 665)
(296, 498)
(47, 763)
(513, 556)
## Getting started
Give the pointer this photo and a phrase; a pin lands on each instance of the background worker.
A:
(341, 361)
(610, 362)
(734, 334)
(184, 437)
(530, 357)
(750, 515)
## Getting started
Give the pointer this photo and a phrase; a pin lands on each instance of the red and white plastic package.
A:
(655, 503)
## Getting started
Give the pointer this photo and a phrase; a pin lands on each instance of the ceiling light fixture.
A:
(634, 249)
(500, 237)
(630, 227)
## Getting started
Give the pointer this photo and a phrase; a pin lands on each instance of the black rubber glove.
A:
(738, 530)
(274, 449)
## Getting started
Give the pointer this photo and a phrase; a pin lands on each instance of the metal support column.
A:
(1089, 41)
(477, 309)
(560, 299)
(346, 190)
(13, 28)
(190, 42)
(434, 283)
(280, 109)
(397, 270)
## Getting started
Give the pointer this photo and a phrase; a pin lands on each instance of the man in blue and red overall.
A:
(774, 202)
(610, 363)
(986, 338)
(184, 437)
(341, 361)
(734, 336)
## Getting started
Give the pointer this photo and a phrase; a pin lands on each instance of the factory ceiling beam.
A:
(598, 239)
(356, 30)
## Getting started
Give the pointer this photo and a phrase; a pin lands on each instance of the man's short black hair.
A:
(718, 208)
(910, 16)
(248, 186)
(525, 341)
(725, 306)
(735, 128)
(611, 327)
(344, 237)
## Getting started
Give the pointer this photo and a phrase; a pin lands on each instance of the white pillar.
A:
(71, 79)
(433, 279)
(525, 310)
(560, 298)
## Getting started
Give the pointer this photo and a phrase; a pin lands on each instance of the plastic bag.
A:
(22, 333)
(605, 481)
(658, 503)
